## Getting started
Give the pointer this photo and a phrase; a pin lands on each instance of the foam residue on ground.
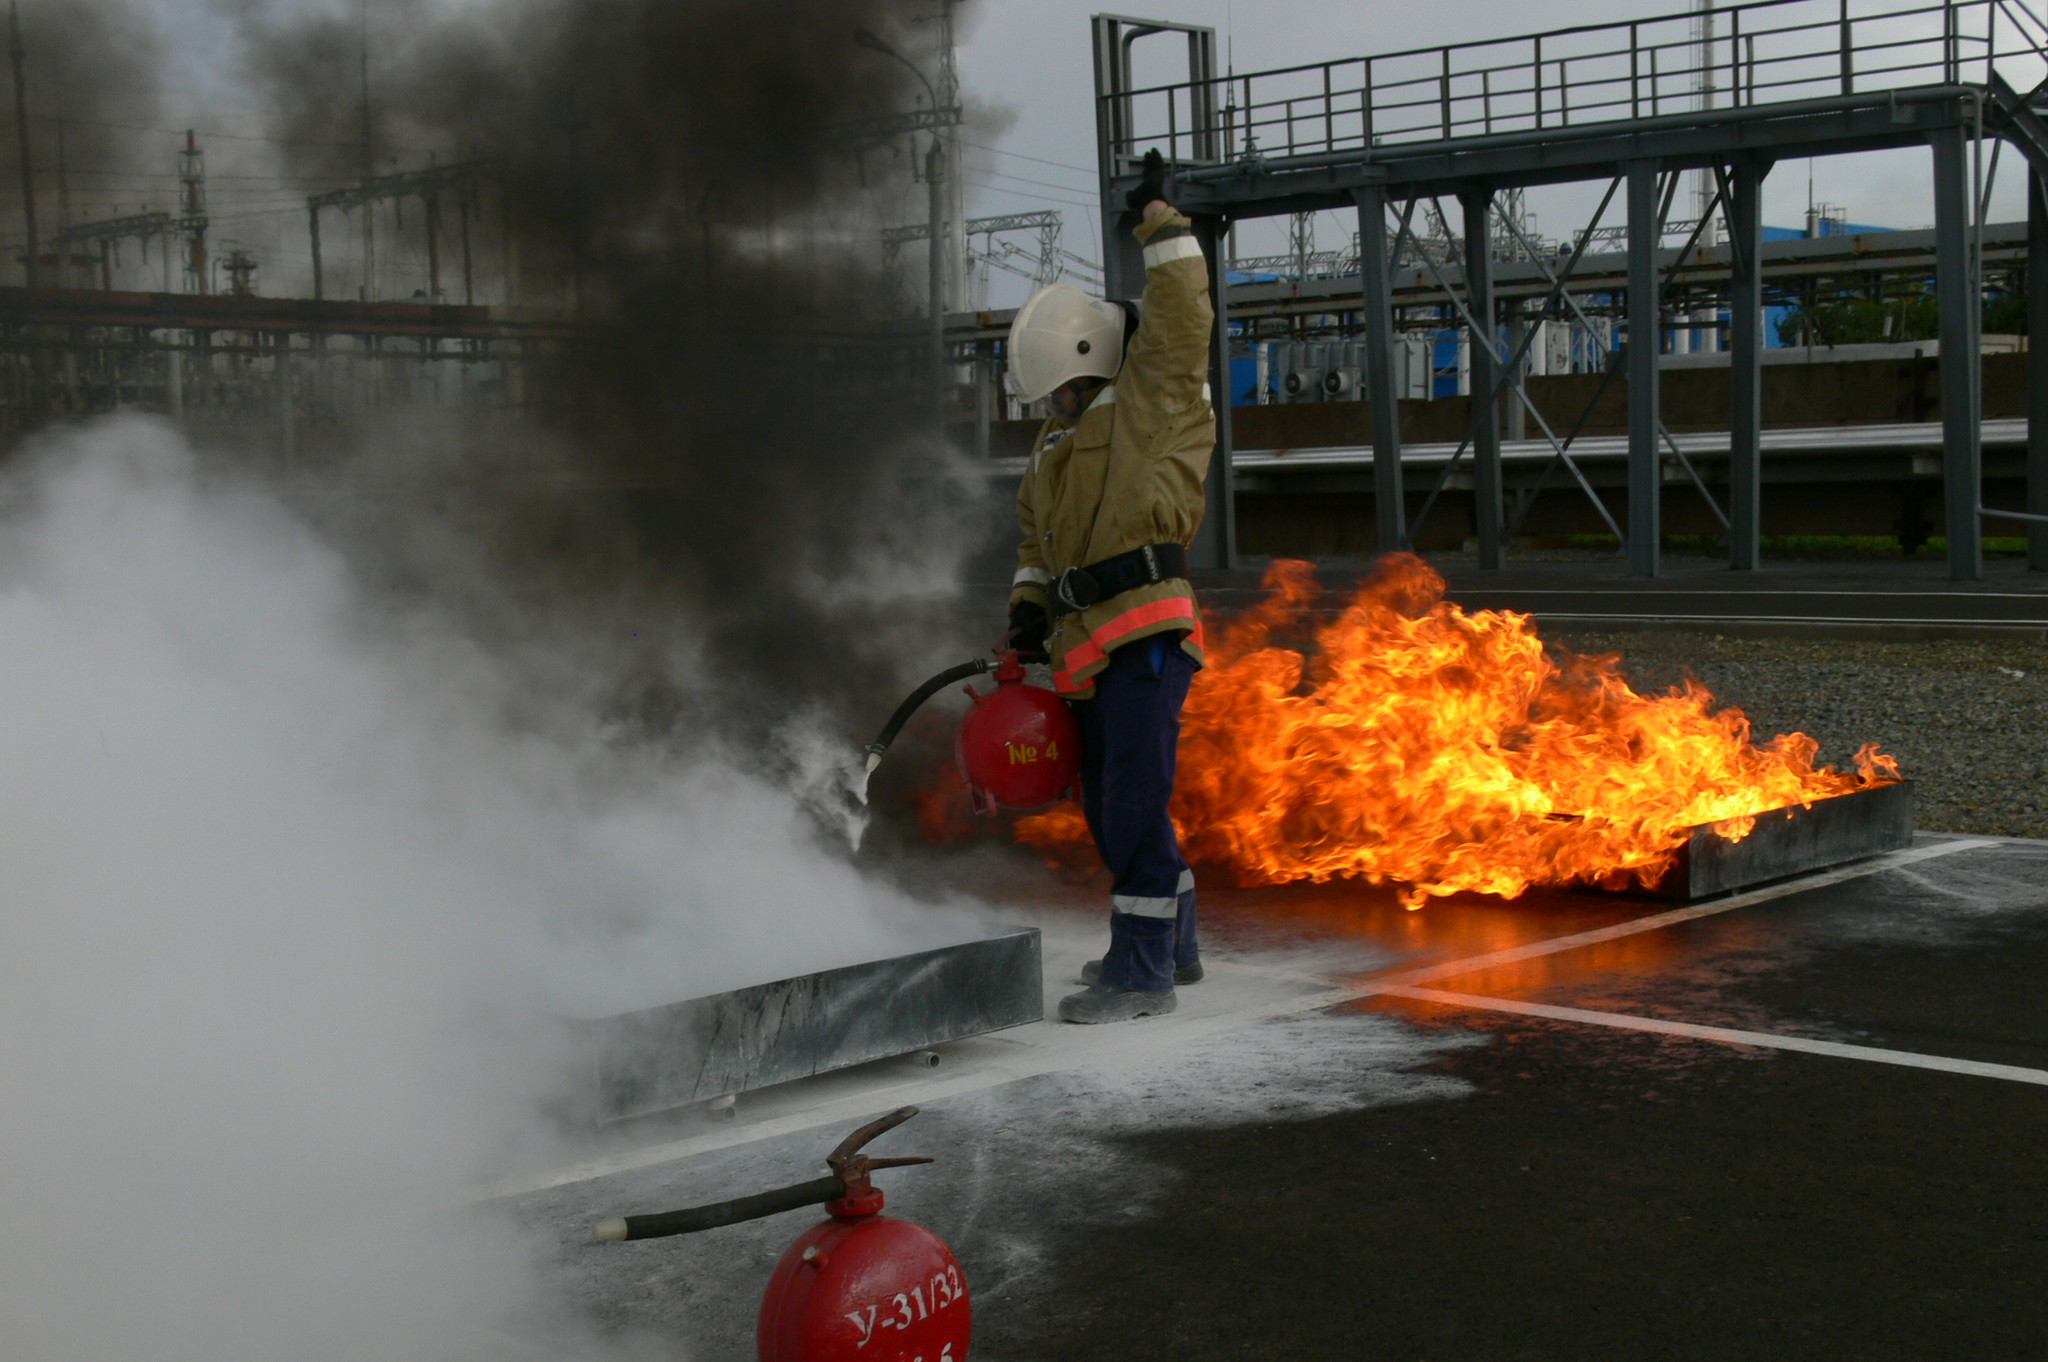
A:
(1074, 1144)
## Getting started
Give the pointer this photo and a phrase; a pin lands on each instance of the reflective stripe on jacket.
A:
(1130, 472)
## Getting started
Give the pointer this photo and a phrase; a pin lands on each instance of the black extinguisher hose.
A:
(917, 698)
(718, 1213)
(851, 1171)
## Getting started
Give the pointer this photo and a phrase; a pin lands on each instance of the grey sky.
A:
(1025, 65)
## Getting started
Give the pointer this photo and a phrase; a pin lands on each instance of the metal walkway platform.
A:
(1390, 135)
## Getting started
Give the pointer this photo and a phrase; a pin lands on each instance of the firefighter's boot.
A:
(1102, 1003)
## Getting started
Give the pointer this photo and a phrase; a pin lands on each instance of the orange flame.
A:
(1449, 752)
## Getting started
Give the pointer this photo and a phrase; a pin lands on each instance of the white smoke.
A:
(281, 883)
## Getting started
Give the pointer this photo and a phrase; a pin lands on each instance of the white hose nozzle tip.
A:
(874, 760)
(609, 1230)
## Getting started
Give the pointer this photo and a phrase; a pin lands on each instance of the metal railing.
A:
(1764, 53)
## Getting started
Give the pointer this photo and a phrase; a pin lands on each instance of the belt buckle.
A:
(1077, 589)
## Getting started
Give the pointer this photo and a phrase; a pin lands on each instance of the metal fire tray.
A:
(665, 1057)
(1792, 841)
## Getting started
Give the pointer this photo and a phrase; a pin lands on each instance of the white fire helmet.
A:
(1062, 334)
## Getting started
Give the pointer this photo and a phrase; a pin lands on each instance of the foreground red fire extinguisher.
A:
(1019, 747)
(858, 1285)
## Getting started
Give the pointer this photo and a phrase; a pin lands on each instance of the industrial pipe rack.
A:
(1634, 103)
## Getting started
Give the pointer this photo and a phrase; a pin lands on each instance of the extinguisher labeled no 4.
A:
(1018, 747)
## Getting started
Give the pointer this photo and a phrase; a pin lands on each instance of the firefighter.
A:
(1110, 501)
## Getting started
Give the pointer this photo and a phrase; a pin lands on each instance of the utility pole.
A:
(368, 160)
(939, 118)
(28, 178)
(192, 178)
(956, 164)
(66, 262)
(935, 181)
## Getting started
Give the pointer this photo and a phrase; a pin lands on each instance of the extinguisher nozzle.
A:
(609, 1230)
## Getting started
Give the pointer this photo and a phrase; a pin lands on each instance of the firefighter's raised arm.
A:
(1166, 366)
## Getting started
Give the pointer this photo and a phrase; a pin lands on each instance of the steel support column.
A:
(281, 380)
(1745, 364)
(1962, 453)
(1215, 546)
(935, 282)
(984, 395)
(431, 210)
(1645, 462)
(2037, 370)
(1390, 513)
(313, 230)
(1486, 498)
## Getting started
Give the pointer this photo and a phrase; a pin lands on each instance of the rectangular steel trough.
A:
(664, 1057)
(1792, 841)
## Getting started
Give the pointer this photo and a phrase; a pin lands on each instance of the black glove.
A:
(1028, 623)
(1153, 186)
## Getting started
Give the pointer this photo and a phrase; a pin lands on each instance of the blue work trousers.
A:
(1130, 735)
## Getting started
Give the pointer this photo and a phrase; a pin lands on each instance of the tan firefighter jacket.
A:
(1130, 471)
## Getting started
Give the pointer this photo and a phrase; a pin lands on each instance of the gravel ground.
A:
(1967, 721)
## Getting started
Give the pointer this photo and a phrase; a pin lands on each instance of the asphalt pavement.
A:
(1805, 1121)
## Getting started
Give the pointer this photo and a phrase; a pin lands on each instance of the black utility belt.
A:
(1080, 587)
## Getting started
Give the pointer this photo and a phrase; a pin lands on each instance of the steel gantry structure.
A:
(106, 232)
(1050, 264)
(1390, 137)
(459, 180)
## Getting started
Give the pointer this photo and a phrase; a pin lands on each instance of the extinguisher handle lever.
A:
(878, 1126)
(853, 1168)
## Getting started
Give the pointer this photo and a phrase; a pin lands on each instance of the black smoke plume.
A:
(91, 76)
(695, 181)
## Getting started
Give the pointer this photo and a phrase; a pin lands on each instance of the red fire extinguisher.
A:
(1019, 747)
(857, 1285)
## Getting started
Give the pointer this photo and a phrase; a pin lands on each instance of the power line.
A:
(1027, 194)
(1026, 179)
(225, 136)
(1060, 165)
(172, 176)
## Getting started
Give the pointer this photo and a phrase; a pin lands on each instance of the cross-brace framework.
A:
(1474, 121)
(107, 231)
(1051, 262)
(459, 180)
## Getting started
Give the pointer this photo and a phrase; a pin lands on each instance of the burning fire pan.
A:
(1792, 841)
(664, 1057)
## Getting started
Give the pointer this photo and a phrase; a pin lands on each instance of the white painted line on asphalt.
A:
(1043, 1048)
(1889, 622)
(1659, 921)
(1653, 593)
(1762, 1039)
